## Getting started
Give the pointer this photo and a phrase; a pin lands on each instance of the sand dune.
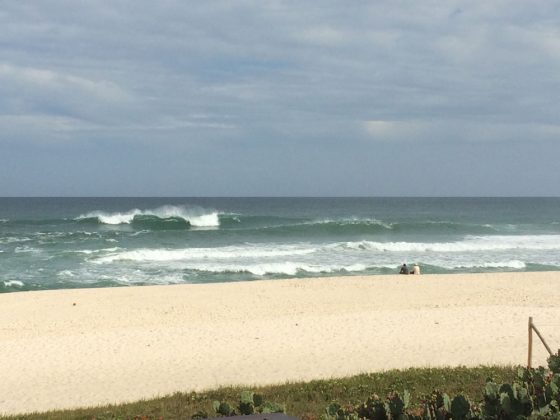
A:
(70, 348)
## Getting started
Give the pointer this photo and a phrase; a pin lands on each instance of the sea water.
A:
(51, 243)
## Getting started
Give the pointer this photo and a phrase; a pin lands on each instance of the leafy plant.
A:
(249, 403)
(535, 394)
(392, 408)
(436, 406)
(554, 362)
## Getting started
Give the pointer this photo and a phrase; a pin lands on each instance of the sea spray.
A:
(196, 217)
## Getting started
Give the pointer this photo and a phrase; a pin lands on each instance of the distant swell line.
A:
(280, 226)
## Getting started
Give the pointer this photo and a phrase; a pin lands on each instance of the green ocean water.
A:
(50, 243)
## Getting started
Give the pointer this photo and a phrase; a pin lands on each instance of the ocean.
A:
(59, 243)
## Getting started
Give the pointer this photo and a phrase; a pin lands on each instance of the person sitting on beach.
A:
(415, 269)
(404, 269)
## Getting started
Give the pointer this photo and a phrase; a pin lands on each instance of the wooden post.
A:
(542, 339)
(530, 342)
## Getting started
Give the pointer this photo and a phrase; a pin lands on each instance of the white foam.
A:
(112, 218)
(350, 221)
(469, 244)
(95, 251)
(14, 239)
(284, 268)
(144, 278)
(13, 283)
(505, 264)
(140, 232)
(195, 216)
(206, 220)
(66, 274)
(24, 249)
(162, 255)
(515, 264)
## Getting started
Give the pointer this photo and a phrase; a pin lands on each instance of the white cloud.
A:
(383, 130)
(41, 79)
(450, 131)
(43, 122)
(324, 36)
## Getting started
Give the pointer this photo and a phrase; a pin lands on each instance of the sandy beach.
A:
(71, 348)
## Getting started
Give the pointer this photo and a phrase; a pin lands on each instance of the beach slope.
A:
(70, 348)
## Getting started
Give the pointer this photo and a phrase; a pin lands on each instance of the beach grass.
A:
(302, 399)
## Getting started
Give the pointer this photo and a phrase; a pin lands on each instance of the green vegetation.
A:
(534, 394)
(304, 400)
(249, 403)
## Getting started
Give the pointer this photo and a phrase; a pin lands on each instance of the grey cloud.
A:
(279, 81)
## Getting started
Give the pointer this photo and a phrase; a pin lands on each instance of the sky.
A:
(279, 98)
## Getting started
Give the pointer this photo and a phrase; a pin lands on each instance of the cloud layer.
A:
(279, 98)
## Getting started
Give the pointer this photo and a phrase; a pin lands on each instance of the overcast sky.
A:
(267, 98)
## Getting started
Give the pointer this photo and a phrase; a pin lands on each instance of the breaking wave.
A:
(357, 248)
(13, 283)
(164, 217)
(281, 268)
(101, 242)
(469, 244)
(163, 255)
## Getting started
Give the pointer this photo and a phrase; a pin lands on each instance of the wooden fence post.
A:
(542, 339)
(529, 357)
(532, 328)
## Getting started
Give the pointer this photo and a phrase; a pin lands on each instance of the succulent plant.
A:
(249, 403)
(554, 362)
(223, 408)
(460, 407)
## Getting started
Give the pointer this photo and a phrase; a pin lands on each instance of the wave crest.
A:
(163, 255)
(469, 244)
(281, 268)
(194, 217)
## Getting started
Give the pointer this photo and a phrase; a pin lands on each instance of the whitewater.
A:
(100, 242)
(192, 217)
